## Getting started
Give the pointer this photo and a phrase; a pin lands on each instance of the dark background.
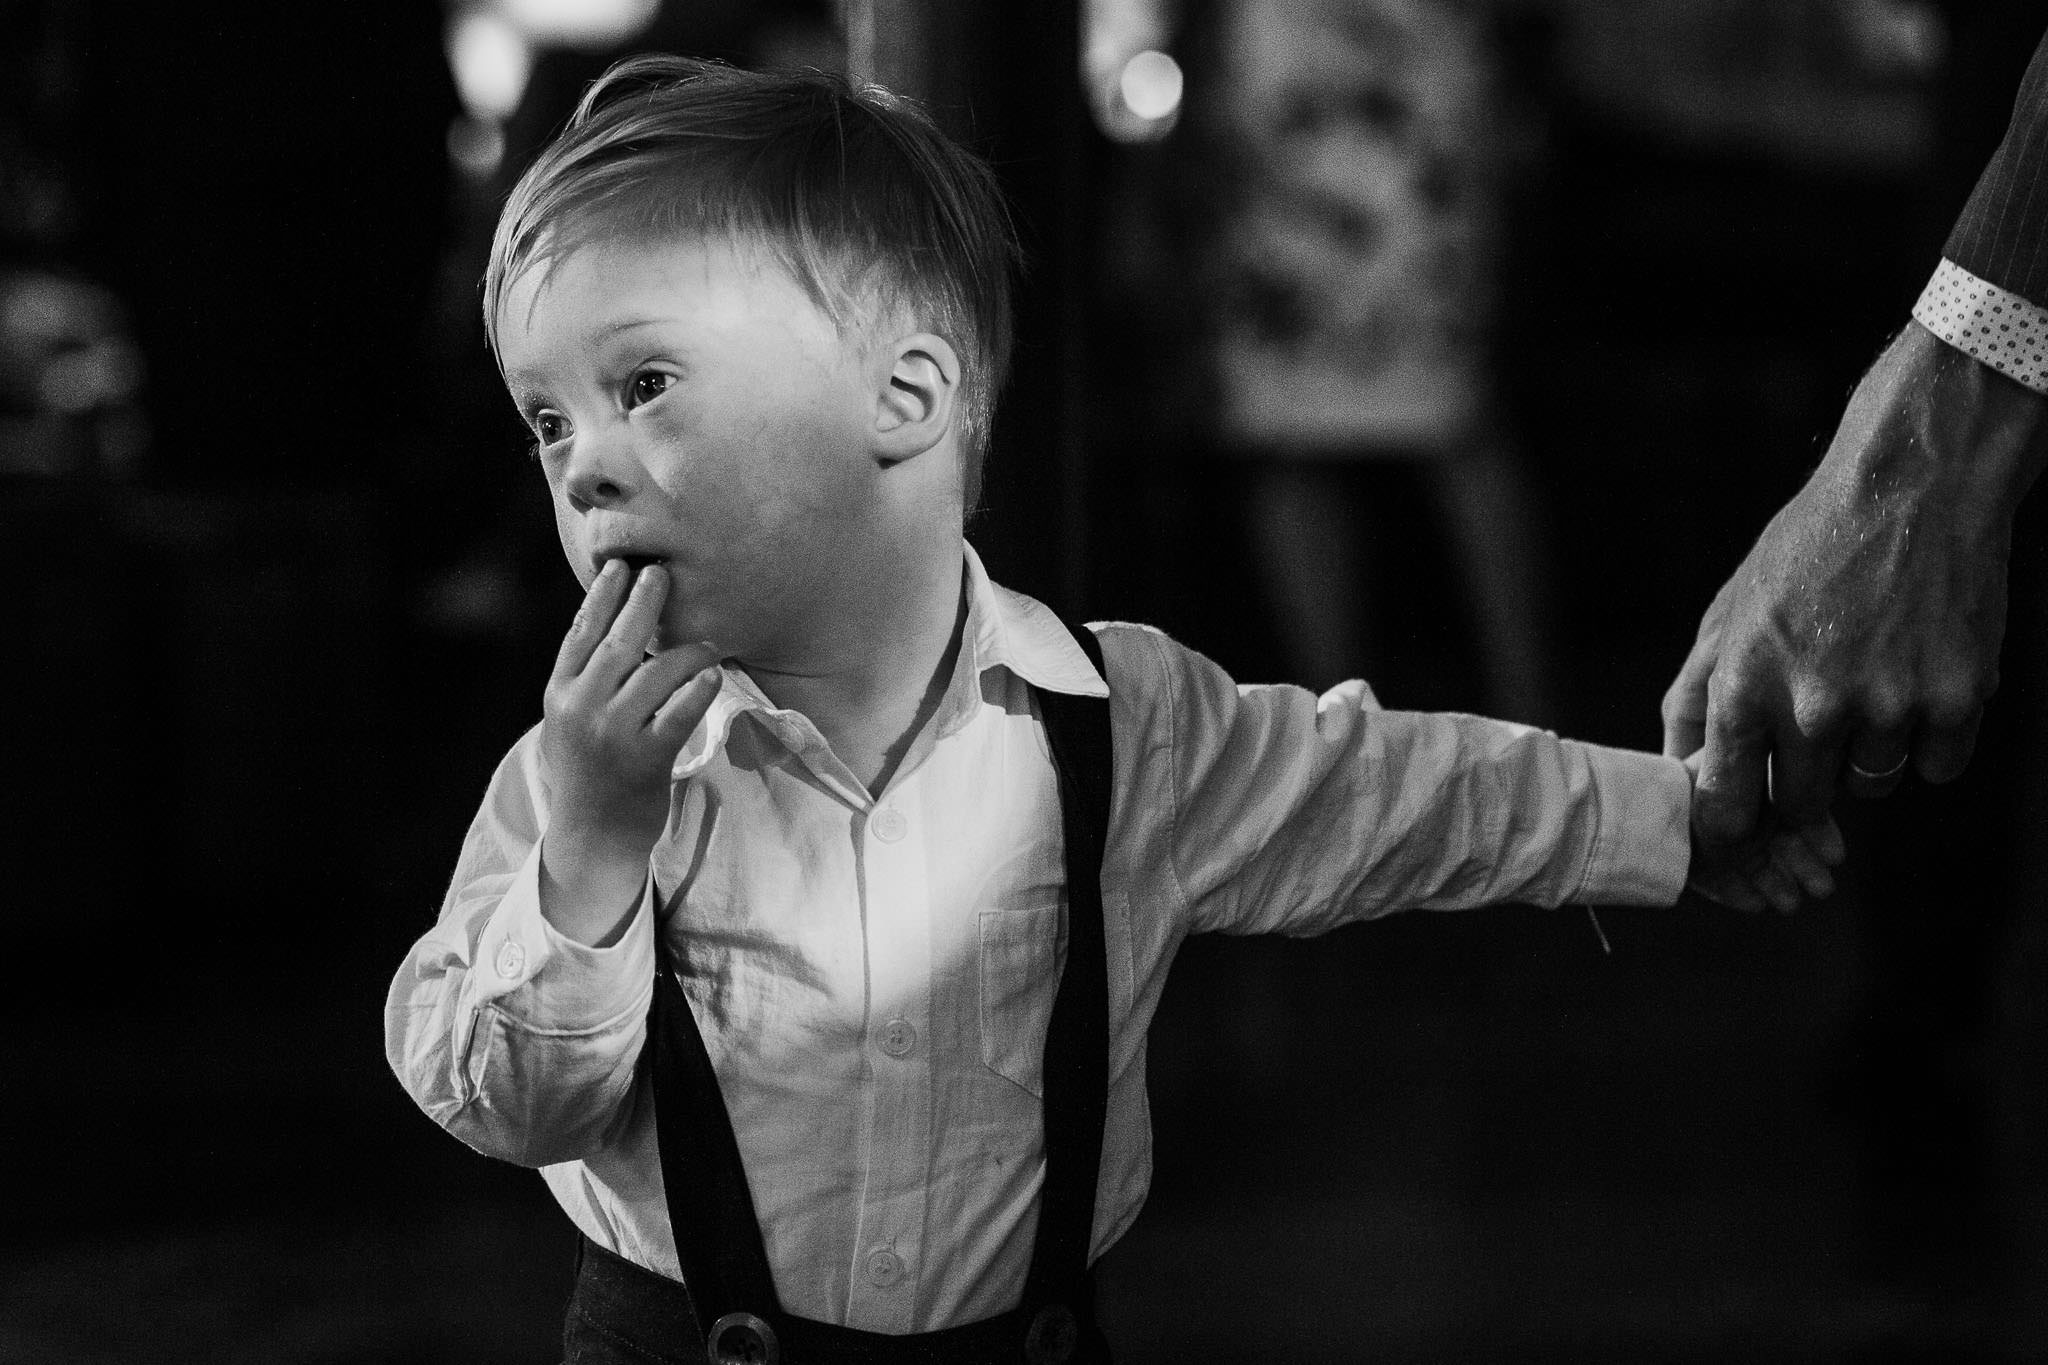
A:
(262, 673)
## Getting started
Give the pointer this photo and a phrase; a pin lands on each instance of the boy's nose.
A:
(598, 475)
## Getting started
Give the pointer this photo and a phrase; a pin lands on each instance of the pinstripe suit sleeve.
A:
(2002, 235)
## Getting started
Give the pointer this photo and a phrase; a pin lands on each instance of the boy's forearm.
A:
(591, 881)
(507, 1032)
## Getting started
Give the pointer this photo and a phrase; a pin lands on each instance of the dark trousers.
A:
(624, 1314)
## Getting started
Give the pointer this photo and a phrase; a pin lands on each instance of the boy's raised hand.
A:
(1779, 865)
(615, 717)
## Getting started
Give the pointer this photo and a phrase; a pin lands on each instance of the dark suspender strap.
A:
(710, 1208)
(1077, 1038)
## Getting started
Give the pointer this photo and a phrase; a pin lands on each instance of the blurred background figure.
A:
(71, 374)
(1352, 282)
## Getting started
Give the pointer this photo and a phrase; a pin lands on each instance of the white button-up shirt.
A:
(873, 975)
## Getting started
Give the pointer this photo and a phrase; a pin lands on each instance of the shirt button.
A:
(898, 1037)
(890, 825)
(885, 1267)
(511, 959)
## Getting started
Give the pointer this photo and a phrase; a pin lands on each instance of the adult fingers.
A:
(1941, 752)
(1733, 767)
(1685, 703)
(1803, 773)
(1876, 760)
(593, 618)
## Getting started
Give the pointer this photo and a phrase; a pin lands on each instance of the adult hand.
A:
(1778, 866)
(1863, 628)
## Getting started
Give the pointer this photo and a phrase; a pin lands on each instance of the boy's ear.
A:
(914, 398)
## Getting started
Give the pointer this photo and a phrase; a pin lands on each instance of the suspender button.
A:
(741, 1339)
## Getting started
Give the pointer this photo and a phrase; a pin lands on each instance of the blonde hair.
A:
(855, 191)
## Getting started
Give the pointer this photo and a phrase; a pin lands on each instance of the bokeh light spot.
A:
(1151, 85)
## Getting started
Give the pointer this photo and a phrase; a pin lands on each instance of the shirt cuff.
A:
(2002, 329)
(549, 982)
(1642, 848)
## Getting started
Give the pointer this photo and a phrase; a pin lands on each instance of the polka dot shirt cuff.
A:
(2003, 330)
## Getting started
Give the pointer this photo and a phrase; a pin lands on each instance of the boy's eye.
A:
(647, 386)
(550, 427)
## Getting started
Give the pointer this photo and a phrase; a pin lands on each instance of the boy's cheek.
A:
(572, 548)
(690, 620)
(680, 620)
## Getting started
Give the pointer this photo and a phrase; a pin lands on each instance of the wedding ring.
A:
(1869, 776)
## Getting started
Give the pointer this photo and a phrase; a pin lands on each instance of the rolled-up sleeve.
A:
(1285, 812)
(516, 1039)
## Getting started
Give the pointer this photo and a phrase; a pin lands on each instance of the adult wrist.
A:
(1990, 432)
(1932, 428)
(1998, 396)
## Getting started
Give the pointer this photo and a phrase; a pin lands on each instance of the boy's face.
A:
(692, 405)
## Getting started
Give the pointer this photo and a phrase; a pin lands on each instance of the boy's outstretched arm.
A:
(1266, 809)
(516, 1021)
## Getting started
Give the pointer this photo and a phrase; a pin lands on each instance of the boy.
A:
(809, 944)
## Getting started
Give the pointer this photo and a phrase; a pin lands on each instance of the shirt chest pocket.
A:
(1019, 973)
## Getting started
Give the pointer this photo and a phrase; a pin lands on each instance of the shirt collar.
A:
(1004, 629)
(1010, 630)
